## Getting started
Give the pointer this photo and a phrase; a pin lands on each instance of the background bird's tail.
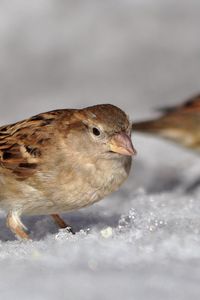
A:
(150, 126)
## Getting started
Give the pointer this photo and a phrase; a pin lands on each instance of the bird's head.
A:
(103, 130)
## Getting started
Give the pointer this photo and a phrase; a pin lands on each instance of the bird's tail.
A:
(150, 126)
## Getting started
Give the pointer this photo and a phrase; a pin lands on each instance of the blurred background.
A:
(137, 54)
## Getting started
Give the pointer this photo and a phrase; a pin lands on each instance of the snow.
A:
(143, 241)
(133, 244)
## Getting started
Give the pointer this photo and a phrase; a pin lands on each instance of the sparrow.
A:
(62, 160)
(180, 124)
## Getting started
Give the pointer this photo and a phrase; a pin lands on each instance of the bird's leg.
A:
(61, 223)
(16, 226)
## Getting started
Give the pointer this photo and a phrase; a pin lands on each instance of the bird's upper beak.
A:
(121, 143)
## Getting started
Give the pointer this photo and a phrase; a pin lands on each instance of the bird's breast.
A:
(86, 184)
(63, 189)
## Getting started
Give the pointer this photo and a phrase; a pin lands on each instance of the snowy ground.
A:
(143, 242)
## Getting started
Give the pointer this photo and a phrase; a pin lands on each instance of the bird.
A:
(62, 160)
(180, 124)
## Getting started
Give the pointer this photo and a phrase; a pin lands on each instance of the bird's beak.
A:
(121, 143)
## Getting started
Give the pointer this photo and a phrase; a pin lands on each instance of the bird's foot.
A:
(16, 226)
(61, 223)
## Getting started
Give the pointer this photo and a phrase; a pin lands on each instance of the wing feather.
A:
(189, 105)
(20, 144)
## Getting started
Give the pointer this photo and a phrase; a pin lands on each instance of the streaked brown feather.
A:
(189, 105)
(20, 144)
(23, 144)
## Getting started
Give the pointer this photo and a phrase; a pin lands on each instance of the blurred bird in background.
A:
(180, 124)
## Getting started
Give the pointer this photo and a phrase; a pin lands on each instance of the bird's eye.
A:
(96, 131)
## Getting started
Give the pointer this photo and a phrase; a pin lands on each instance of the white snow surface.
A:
(142, 242)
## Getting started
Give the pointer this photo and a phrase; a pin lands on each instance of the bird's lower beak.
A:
(121, 143)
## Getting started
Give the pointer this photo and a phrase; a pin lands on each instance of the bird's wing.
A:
(192, 104)
(22, 144)
(188, 106)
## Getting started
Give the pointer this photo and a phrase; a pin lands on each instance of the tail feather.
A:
(150, 126)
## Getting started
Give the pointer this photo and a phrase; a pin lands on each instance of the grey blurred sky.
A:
(136, 54)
